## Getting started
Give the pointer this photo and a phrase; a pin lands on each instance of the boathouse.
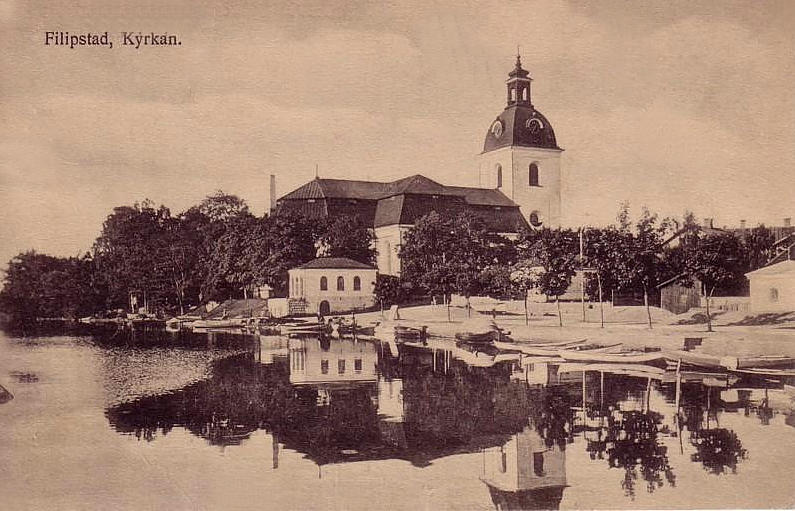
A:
(330, 285)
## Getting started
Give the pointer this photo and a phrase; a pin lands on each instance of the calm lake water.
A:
(271, 423)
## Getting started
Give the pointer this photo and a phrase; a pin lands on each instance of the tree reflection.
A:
(717, 449)
(630, 441)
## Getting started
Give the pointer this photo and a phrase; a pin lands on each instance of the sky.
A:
(675, 106)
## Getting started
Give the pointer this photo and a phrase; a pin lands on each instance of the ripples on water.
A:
(412, 426)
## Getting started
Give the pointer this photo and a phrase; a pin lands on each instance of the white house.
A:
(773, 287)
(333, 284)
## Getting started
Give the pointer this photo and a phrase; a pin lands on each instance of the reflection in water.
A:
(348, 401)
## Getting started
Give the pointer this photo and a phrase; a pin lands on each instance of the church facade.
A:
(519, 175)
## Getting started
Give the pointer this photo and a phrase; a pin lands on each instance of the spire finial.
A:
(518, 57)
(317, 175)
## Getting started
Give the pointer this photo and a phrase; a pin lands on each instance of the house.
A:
(773, 287)
(518, 172)
(333, 284)
(679, 294)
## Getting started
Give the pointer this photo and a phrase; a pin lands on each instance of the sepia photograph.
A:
(358, 255)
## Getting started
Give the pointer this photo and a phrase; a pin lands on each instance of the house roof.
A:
(774, 269)
(335, 263)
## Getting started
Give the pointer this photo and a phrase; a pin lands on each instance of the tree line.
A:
(214, 250)
(218, 249)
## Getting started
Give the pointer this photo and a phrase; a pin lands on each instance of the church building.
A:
(519, 176)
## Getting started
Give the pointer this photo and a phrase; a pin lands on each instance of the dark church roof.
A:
(400, 202)
(336, 263)
(520, 124)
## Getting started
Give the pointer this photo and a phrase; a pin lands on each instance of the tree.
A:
(127, 252)
(220, 207)
(758, 245)
(292, 240)
(443, 253)
(642, 266)
(716, 261)
(526, 275)
(347, 236)
(555, 250)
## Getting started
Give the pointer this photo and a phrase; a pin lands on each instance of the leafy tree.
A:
(391, 290)
(526, 275)
(292, 242)
(716, 261)
(347, 236)
(221, 207)
(555, 250)
(443, 253)
(642, 266)
(758, 245)
(127, 252)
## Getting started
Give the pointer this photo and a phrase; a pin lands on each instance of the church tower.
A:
(521, 157)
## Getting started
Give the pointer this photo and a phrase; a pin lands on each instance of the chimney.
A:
(707, 223)
(742, 224)
(271, 205)
(788, 222)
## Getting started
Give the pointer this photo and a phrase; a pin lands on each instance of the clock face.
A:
(534, 125)
(496, 129)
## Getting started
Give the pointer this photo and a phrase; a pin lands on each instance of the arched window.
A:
(524, 94)
(513, 94)
(357, 284)
(533, 180)
(498, 173)
(340, 284)
(323, 283)
(773, 294)
(534, 220)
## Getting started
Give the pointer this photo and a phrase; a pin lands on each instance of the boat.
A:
(718, 362)
(785, 374)
(480, 331)
(389, 330)
(219, 323)
(637, 370)
(304, 328)
(541, 350)
(630, 357)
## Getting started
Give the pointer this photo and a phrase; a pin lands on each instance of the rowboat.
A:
(612, 358)
(637, 370)
(480, 331)
(538, 349)
(718, 362)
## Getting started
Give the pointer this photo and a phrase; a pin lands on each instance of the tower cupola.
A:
(518, 85)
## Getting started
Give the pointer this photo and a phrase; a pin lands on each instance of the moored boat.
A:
(631, 357)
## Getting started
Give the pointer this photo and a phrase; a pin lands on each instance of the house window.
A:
(341, 366)
(357, 284)
(340, 284)
(498, 172)
(357, 365)
(773, 294)
(533, 179)
(324, 366)
(323, 284)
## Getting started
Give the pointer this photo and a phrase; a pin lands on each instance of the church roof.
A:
(412, 185)
(335, 263)
(522, 126)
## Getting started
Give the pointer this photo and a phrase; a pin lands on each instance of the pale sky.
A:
(673, 105)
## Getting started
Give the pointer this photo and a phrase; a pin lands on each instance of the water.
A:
(300, 424)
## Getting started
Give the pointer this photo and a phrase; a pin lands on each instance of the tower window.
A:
(498, 172)
(534, 221)
(538, 464)
(533, 175)
(524, 94)
(323, 284)
(340, 284)
(773, 294)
